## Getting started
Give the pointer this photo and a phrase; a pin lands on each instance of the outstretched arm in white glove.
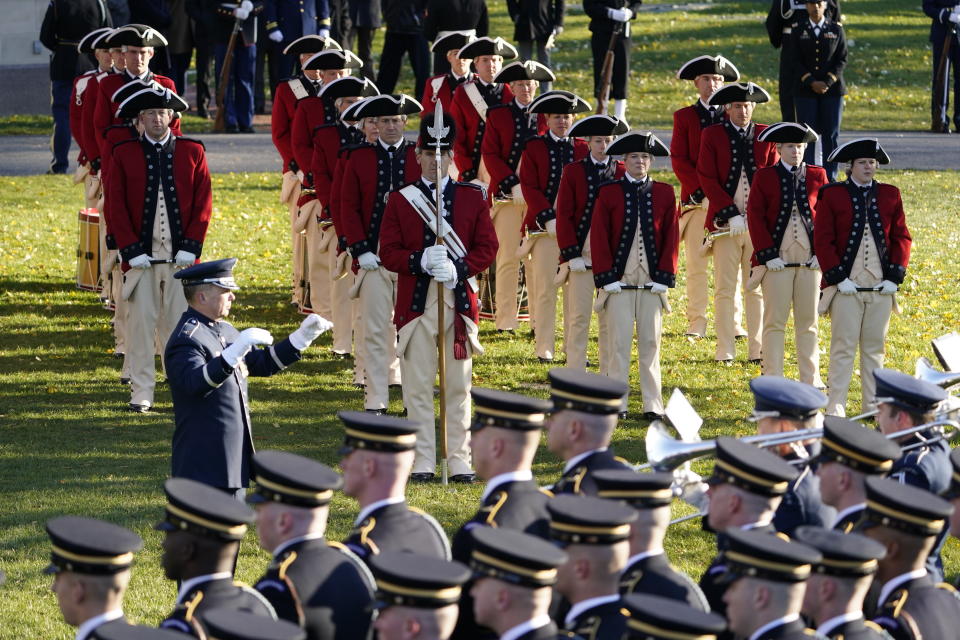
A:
(247, 339)
(310, 329)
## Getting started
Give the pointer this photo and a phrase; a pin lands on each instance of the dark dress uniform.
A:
(848, 520)
(211, 594)
(601, 31)
(444, 16)
(713, 582)
(801, 505)
(655, 575)
(404, 35)
(577, 478)
(942, 29)
(858, 629)
(213, 437)
(918, 608)
(780, 21)
(600, 622)
(238, 96)
(398, 527)
(294, 19)
(818, 53)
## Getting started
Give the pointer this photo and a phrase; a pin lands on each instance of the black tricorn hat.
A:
(387, 104)
(137, 35)
(559, 102)
(89, 42)
(701, 65)
(789, 132)
(638, 141)
(487, 46)
(599, 125)
(311, 43)
(859, 148)
(454, 40)
(739, 92)
(349, 87)
(151, 99)
(333, 59)
(429, 135)
(526, 70)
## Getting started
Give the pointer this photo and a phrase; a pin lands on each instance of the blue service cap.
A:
(218, 272)
(905, 391)
(776, 397)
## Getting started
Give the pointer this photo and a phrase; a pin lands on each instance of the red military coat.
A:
(688, 123)
(470, 128)
(308, 116)
(444, 95)
(837, 234)
(714, 164)
(540, 170)
(771, 204)
(363, 194)
(83, 85)
(133, 196)
(105, 114)
(504, 137)
(281, 117)
(91, 137)
(578, 190)
(404, 236)
(329, 141)
(612, 231)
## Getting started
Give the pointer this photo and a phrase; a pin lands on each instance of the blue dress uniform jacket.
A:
(398, 528)
(859, 629)
(794, 630)
(813, 58)
(920, 609)
(213, 439)
(849, 522)
(801, 505)
(296, 18)
(94, 634)
(321, 586)
(654, 575)
(603, 622)
(214, 594)
(579, 479)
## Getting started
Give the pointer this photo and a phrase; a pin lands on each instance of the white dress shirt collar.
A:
(893, 583)
(373, 506)
(790, 167)
(584, 605)
(510, 476)
(643, 556)
(557, 139)
(396, 144)
(292, 541)
(631, 179)
(89, 625)
(187, 585)
(443, 182)
(860, 506)
(860, 184)
(836, 621)
(529, 625)
(773, 624)
(577, 459)
(819, 25)
(161, 141)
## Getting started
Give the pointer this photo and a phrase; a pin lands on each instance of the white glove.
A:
(244, 342)
(300, 176)
(613, 287)
(847, 287)
(276, 36)
(657, 287)
(738, 225)
(433, 257)
(241, 14)
(368, 261)
(323, 32)
(577, 264)
(693, 490)
(776, 264)
(619, 15)
(551, 227)
(444, 272)
(247, 6)
(517, 193)
(184, 258)
(814, 263)
(310, 329)
(141, 261)
(954, 16)
(888, 288)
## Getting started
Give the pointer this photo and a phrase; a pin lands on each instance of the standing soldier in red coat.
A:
(409, 247)
(370, 174)
(508, 128)
(634, 240)
(83, 85)
(780, 214)
(160, 203)
(579, 185)
(864, 259)
(730, 155)
(708, 74)
(440, 88)
(472, 99)
(287, 95)
(541, 165)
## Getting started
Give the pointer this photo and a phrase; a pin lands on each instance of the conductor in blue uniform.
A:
(208, 362)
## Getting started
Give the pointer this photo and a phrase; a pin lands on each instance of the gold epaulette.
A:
(289, 560)
(501, 498)
(191, 606)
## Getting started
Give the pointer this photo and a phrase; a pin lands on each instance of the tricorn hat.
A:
(137, 35)
(396, 104)
(487, 46)
(89, 42)
(789, 132)
(638, 141)
(349, 87)
(333, 59)
(559, 102)
(599, 125)
(151, 99)
(739, 92)
(526, 70)
(859, 148)
(311, 43)
(454, 40)
(701, 65)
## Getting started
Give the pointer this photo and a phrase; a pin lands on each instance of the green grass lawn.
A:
(888, 71)
(68, 446)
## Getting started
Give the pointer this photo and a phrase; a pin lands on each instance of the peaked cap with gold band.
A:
(415, 580)
(906, 392)
(954, 490)
(755, 553)
(708, 65)
(203, 510)
(853, 445)
(515, 557)
(311, 43)
(376, 433)
(292, 479)
(494, 408)
(228, 624)
(587, 520)
(639, 490)
(218, 272)
(845, 555)
(751, 468)
(587, 392)
(137, 35)
(656, 618)
(904, 508)
(87, 545)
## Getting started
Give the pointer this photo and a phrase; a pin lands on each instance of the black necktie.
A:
(391, 149)
(158, 147)
(433, 186)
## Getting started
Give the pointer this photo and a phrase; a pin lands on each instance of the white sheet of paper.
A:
(684, 417)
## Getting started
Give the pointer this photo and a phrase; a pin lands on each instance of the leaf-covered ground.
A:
(68, 446)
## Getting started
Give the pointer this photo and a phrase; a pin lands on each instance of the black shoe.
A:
(377, 412)
(422, 478)
(359, 385)
(403, 414)
(231, 128)
(622, 415)
(588, 364)
(464, 478)
(138, 408)
(124, 380)
(740, 336)
(545, 360)
(940, 128)
(342, 355)
(247, 130)
(652, 415)
(395, 385)
(119, 355)
(755, 360)
(56, 171)
(510, 331)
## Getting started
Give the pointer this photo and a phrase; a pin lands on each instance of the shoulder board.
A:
(191, 605)
(189, 327)
(437, 529)
(546, 492)
(193, 140)
(946, 586)
(618, 458)
(473, 185)
(361, 566)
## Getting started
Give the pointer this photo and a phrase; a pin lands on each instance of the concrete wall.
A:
(19, 32)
